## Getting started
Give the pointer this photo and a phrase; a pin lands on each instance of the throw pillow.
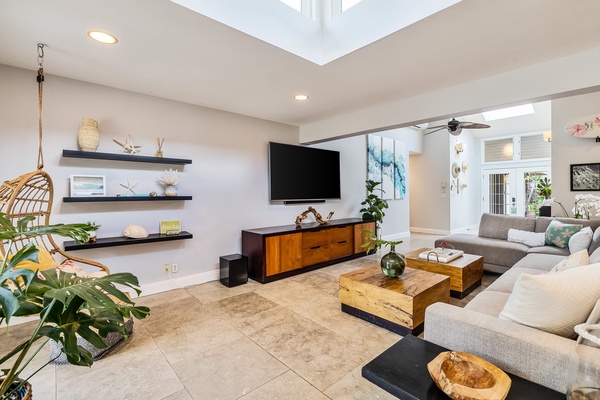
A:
(558, 234)
(593, 319)
(574, 260)
(595, 257)
(581, 240)
(556, 302)
(45, 261)
(531, 239)
(595, 242)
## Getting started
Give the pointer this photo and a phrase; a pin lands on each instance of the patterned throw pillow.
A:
(558, 233)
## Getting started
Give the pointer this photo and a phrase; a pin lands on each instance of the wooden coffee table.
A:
(465, 272)
(397, 304)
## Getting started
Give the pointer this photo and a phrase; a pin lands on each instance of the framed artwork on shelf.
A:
(88, 186)
(585, 177)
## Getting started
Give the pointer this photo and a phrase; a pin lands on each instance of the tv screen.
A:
(303, 173)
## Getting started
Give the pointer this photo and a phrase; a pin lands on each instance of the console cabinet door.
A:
(360, 237)
(283, 253)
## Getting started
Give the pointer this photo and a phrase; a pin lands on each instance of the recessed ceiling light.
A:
(102, 37)
(509, 112)
(301, 97)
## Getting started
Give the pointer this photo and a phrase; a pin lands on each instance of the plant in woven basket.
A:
(67, 305)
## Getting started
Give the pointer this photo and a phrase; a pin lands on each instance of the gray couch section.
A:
(535, 355)
(491, 242)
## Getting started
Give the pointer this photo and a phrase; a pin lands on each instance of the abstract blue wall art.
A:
(399, 170)
(374, 158)
(387, 168)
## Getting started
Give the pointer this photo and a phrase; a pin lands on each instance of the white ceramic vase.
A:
(170, 191)
(88, 136)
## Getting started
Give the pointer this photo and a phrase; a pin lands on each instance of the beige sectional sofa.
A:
(492, 240)
(531, 353)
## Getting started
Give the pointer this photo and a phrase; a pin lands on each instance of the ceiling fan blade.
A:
(439, 129)
(473, 125)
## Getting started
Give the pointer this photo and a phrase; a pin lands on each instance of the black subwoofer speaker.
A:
(233, 269)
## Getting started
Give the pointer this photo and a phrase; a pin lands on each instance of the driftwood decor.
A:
(463, 376)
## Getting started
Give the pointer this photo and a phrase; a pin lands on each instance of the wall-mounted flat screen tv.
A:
(298, 173)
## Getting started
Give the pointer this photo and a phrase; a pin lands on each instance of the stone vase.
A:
(88, 136)
(170, 191)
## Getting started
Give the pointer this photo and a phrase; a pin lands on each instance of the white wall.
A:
(567, 150)
(227, 179)
(430, 203)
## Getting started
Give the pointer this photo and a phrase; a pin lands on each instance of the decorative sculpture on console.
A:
(318, 217)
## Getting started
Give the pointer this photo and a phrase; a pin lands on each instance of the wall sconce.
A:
(459, 147)
(548, 136)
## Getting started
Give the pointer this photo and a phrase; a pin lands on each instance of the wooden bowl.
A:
(463, 376)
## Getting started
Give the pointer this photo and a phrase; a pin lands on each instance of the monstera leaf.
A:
(14, 282)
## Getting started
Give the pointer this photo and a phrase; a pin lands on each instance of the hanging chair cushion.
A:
(45, 261)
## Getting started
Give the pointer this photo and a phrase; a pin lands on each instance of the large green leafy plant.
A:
(67, 305)
(373, 204)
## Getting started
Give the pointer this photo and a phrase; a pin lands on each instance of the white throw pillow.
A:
(574, 260)
(531, 239)
(595, 256)
(581, 240)
(556, 302)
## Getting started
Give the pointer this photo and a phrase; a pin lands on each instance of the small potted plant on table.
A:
(392, 264)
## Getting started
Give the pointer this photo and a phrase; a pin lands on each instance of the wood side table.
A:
(402, 371)
(465, 272)
(397, 304)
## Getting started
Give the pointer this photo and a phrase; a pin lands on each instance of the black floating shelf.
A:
(97, 199)
(71, 245)
(123, 157)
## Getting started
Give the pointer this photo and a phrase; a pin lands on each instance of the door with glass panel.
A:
(499, 191)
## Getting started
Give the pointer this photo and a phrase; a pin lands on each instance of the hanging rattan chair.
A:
(31, 195)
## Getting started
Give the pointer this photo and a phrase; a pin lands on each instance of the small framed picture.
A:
(88, 185)
(585, 177)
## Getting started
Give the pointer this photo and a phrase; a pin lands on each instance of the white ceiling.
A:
(168, 51)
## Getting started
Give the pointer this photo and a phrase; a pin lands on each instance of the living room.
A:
(228, 175)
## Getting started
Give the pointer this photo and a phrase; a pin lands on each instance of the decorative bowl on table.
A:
(463, 376)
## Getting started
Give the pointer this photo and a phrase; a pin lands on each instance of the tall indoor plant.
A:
(67, 305)
(373, 204)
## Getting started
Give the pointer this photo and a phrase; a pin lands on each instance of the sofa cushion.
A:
(531, 239)
(496, 226)
(556, 251)
(494, 251)
(543, 262)
(573, 261)
(541, 223)
(488, 302)
(558, 233)
(507, 281)
(554, 302)
(581, 240)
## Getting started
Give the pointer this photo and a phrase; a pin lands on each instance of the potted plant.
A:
(67, 305)
(392, 264)
(92, 233)
(374, 204)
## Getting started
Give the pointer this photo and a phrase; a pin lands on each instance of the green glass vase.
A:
(392, 264)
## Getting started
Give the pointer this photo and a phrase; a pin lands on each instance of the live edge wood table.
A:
(397, 304)
(402, 371)
(465, 272)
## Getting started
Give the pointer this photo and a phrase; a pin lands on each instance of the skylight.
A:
(328, 33)
(509, 112)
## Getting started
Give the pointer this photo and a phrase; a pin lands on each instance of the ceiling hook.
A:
(40, 50)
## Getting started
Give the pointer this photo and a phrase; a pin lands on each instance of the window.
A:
(295, 4)
(498, 150)
(535, 146)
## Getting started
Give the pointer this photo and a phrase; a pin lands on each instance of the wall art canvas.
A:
(387, 168)
(88, 185)
(386, 163)
(585, 177)
(399, 170)
(374, 158)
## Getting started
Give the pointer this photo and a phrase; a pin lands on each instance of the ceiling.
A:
(169, 51)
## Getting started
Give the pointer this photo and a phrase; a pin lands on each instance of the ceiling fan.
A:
(455, 127)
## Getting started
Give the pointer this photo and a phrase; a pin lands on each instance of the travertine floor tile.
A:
(354, 386)
(229, 371)
(165, 318)
(214, 291)
(288, 386)
(240, 306)
(162, 298)
(181, 395)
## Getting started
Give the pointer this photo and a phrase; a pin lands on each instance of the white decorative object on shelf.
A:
(88, 137)
(129, 186)
(128, 146)
(170, 179)
(135, 232)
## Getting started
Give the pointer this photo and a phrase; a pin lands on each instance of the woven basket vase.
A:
(88, 137)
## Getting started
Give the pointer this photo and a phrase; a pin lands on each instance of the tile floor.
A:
(283, 340)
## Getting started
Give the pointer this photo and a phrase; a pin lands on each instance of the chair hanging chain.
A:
(40, 80)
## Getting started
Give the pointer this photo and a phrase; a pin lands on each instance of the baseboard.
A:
(472, 230)
(429, 231)
(400, 235)
(177, 283)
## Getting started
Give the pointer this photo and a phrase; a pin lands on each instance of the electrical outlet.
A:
(166, 269)
(175, 268)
